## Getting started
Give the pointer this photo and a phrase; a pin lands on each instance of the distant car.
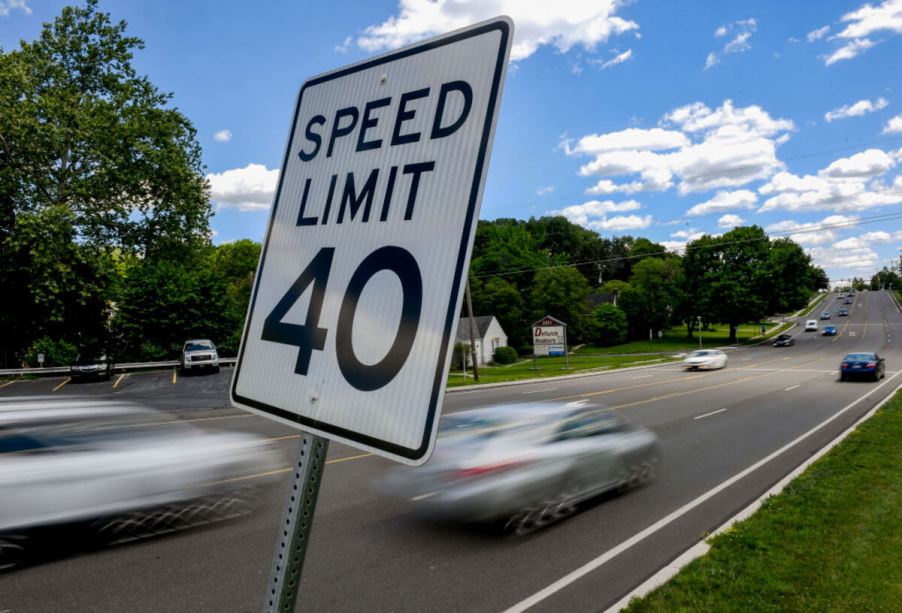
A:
(811, 325)
(92, 364)
(526, 465)
(840, 295)
(825, 315)
(862, 365)
(843, 312)
(199, 354)
(705, 359)
(847, 301)
(829, 331)
(784, 340)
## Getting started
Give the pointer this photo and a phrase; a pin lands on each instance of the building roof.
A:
(482, 323)
(600, 298)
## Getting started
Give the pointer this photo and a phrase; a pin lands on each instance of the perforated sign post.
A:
(359, 285)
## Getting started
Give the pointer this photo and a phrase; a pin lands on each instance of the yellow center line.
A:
(349, 458)
(279, 471)
(119, 380)
(65, 381)
(2, 385)
(180, 421)
(174, 370)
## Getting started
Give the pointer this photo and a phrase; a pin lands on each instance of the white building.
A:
(489, 336)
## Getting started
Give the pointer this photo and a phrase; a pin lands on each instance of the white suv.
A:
(811, 325)
(198, 354)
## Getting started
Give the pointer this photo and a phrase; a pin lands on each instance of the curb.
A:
(481, 386)
(702, 547)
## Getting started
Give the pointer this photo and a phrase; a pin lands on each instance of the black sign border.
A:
(479, 171)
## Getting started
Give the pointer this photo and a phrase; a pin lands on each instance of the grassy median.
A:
(675, 339)
(552, 367)
(831, 541)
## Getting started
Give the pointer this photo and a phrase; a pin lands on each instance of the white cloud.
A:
(887, 16)
(594, 215)
(562, 24)
(223, 136)
(848, 51)
(853, 183)
(725, 201)
(544, 191)
(817, 34)
(733, 146)
(7, 6)
(862, 107)
(893, 126)
(730, 221)
(247, 189)
(844, 257)
(689, 235)
(618, 59)
(870, 163)
(743, 28)
(876, 237)
(816, 233)
(345, 45)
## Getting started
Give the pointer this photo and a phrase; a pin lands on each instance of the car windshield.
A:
(783, 337)
(90, 358)
(700, 354)
(198, 346)
(860, 357)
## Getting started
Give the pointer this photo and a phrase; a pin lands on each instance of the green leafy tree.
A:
(608, 326)
(92, 162)
(236, 262)
(502, 299)
(561, 293)
(790, 277)
(655, 294)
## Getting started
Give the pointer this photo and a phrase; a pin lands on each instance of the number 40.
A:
(309, 337)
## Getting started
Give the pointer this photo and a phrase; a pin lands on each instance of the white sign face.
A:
(358, 290)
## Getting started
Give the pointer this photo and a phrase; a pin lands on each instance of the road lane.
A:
(368, 553)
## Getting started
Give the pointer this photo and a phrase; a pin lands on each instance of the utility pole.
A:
(472, 332)
(699, 319)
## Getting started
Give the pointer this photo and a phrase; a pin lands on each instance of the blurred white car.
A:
(811, 325)
(89, 462)
(705, 359)
(526, 465)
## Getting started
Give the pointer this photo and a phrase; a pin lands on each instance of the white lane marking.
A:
(642, 377)
(423, 496)
(547, 389)
(709, 414)
(789, 389)
(608, 555)
(701, 548)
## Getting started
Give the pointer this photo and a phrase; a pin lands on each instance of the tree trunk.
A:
(733, 332)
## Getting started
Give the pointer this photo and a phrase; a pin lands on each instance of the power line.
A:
(817, 228)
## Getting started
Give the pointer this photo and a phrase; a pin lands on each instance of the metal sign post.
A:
(373, 221)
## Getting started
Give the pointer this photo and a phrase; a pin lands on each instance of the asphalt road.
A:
(368, 553)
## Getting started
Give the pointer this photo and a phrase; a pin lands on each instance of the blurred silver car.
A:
(116, 467)
(526, 465)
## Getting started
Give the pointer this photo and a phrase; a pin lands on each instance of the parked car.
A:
(92, 364)
(825, 315)
(705, 359)
(829, 331)
(199, 354)
(526, 465)
(811, 325)
(784, 340)
(843, 312)
(862, 365)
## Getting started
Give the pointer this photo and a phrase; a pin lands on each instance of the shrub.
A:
(57, 352)
(608, 325)
(505, 355)
(460, 350)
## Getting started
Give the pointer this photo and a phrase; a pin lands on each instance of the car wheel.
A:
(842, 376)
(12, 551)
(216, 369)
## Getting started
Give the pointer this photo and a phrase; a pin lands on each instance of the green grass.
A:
(831, 541)
(675, 340)
(551, 367)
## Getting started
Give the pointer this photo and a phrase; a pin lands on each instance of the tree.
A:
(503, 300)
(236, 262)
(92, 164)
(655, 294)
(561, 293)
(608, 325)
(790, 277)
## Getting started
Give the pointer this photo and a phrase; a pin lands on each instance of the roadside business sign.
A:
(359, 285)
(549, 337)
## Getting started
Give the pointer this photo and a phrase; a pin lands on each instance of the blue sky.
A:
(660, 119)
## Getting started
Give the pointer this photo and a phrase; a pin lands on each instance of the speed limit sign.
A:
(358, 290)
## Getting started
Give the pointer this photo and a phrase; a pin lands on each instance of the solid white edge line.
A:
(673, 516)
(789, 389)
(701, 548)
(709, 414)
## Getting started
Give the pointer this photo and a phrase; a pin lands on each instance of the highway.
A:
(369, 553)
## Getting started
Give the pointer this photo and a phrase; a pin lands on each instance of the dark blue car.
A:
(868, 365)
(829, 331)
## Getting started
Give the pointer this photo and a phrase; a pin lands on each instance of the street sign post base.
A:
(294, 529)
